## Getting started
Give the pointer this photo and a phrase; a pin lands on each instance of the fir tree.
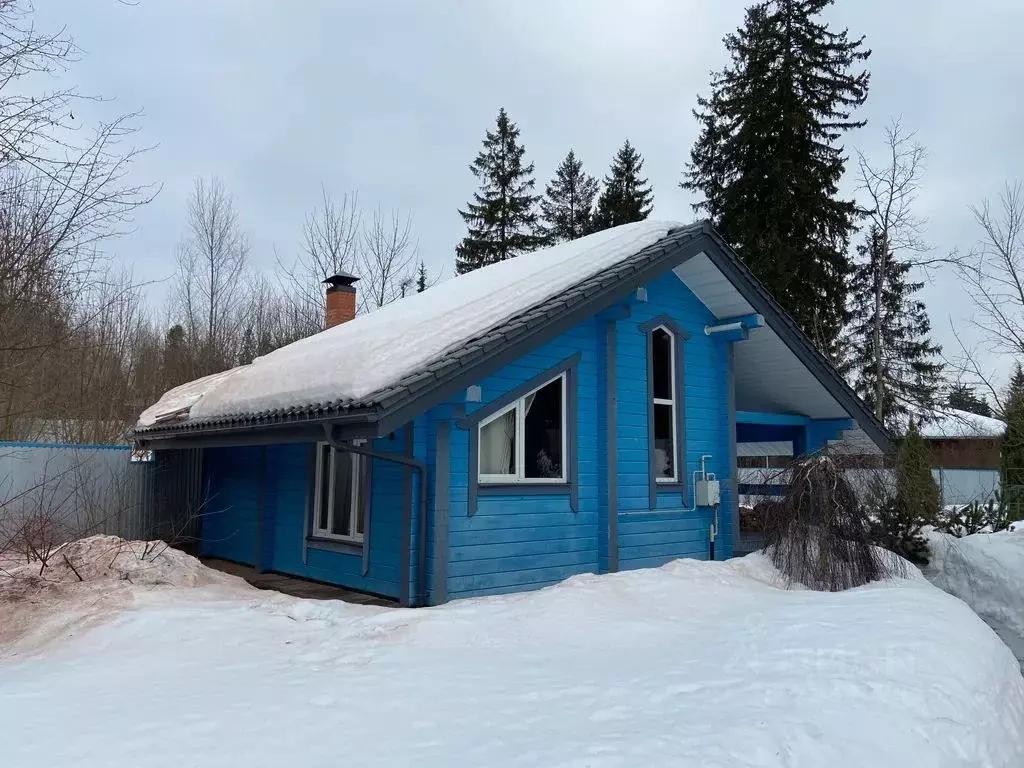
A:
(768, 160)
(897, 523)
(893, 358)
(964, 398)
(1011, 460)
(568, 202)
(627, 197)
(421, 278)
(501, 219)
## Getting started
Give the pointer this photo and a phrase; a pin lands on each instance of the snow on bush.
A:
(986, 571)
(693, 664)
(85, 581)
(110, 557)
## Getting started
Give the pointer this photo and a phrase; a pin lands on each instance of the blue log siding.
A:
(516, 542)
(653, 537)
(519, 540)
(230, 526)
(229, 517)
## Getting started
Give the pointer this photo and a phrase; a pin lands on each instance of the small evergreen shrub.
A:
(897, 520)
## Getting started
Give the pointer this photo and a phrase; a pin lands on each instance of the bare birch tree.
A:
(892, 357)
(331, 240)
(212, 260)
(387, 261)
(64, 193)
(992, 273)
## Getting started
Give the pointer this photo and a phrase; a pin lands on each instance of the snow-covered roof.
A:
(353, 361)
(951, 423)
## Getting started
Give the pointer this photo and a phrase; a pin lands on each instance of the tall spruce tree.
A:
(421, 278)
(568, 202)
(1011, 454)
(627, 197)
(964, 398)
(502, 217)
(895, 364)
(768, 160)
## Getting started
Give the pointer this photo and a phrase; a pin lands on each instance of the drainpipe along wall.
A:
(416, 465)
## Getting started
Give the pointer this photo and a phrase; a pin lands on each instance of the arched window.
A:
(666, 411)
(664, 393)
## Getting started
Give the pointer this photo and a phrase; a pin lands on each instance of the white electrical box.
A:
(708, 493)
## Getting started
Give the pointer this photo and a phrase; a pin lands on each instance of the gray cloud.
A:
(392, 99)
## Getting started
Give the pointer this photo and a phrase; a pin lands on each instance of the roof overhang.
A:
(777, 369)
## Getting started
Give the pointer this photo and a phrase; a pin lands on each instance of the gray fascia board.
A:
(730, 265)
(501, 355)
(523, 389)
(442, 507)
(489, 356)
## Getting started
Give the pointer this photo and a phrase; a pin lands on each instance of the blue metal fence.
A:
(79, 490)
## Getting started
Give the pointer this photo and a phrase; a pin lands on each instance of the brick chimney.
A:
(341, 298)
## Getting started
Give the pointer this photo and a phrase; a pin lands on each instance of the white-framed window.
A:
(664, 393)
(340, 494)
(525, 442)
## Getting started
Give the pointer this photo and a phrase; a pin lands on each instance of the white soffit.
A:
(769, 377)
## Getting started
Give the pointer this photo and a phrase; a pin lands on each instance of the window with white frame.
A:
(525, 442)
(340, 494)
(663, 390)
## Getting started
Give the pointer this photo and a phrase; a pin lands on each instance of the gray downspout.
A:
(407, 512)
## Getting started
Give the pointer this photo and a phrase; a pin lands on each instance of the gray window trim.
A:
(312, 541)
(734, 472)
(405, 588)
(679, 337)
(442, 508)
(612, 447)
(471, 422)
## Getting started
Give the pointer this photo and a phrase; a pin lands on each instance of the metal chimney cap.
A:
(340, 280)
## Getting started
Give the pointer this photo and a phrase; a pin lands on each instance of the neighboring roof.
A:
(390, 365)
(953, 424)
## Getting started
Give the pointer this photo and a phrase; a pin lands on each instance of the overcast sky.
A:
(392, 99)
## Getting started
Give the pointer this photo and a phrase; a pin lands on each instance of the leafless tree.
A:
(212, 260)
(270, 320)
(893, 243)
(994, 271)
(331, 242)
(64, 194)
(387, 261)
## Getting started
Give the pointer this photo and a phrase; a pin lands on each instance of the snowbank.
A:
(376, 350)
(693, 664)
(986, 571)
(85, 582)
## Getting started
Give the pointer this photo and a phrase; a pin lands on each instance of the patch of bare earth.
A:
(86, 582)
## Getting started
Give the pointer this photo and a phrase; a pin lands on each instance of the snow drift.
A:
(986, 571)
(87, 581)
(692, 664)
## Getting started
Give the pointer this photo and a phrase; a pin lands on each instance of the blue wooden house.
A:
(571, 410)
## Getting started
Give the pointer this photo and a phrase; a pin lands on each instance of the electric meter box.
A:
(709, 493)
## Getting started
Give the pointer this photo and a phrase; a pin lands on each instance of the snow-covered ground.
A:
(695, 663)
(986, 571)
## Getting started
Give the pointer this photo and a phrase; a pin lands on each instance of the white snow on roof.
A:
(376, 350)
(952, 423)
(180, 399)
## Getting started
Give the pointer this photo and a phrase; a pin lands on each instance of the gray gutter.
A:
(387, 410)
